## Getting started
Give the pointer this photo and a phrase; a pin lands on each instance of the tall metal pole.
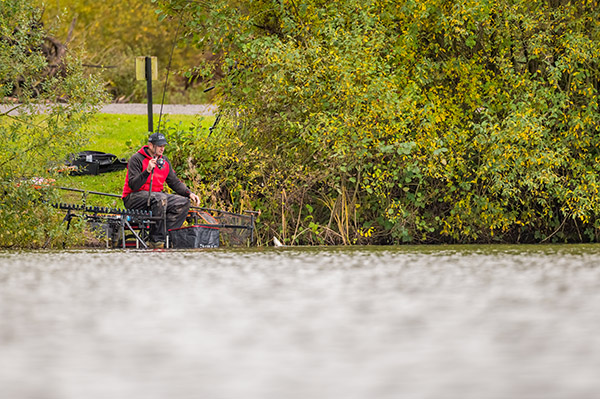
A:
(149, 90)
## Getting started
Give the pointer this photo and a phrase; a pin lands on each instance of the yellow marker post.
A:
(140, 68)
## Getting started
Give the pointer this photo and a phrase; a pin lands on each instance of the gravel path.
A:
(172, 109)
(142, 109)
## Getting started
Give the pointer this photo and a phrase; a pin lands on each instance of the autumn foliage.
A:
(402, 121)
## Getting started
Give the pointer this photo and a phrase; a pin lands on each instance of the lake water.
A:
(307, 323)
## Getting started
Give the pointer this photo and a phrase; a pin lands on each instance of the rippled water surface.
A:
(392, 322)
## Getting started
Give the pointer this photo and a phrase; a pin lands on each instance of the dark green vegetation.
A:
(382, 122)
(419, 121)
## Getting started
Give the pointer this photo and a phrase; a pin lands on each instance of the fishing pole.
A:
(160, 162)
(162, 102)
(89, 192)
(150, 189)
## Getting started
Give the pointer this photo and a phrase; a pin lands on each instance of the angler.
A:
(147, 172)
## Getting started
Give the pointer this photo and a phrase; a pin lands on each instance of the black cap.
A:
(157, 139)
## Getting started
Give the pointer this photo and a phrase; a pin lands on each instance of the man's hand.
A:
(151, 165)
(194, 198)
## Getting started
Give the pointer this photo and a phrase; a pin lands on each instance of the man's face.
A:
(156, 150)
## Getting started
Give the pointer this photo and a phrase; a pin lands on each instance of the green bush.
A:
(411, 121)
(41, 129)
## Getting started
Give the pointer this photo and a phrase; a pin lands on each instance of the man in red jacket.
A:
(148, 170)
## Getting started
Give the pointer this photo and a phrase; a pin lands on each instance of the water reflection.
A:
(384, 322)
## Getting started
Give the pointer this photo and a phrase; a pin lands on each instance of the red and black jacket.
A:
(138, 178)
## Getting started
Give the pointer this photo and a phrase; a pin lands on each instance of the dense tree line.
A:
(388, 121)
(343, 122)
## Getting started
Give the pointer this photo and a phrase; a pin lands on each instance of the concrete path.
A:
(171, 109)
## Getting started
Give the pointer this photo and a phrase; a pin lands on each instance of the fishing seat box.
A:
(194, 237)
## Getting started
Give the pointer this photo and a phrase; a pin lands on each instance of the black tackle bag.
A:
(95, 162)
(194, 237)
